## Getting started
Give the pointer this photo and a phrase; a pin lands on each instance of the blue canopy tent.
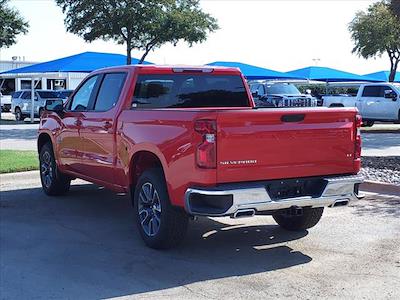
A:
(85, 62)
(329, 75)
(384, 76)
(255, 73)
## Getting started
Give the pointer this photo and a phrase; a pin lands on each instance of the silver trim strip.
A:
(253, 195)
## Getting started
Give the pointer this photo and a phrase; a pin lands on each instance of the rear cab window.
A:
(189, 91)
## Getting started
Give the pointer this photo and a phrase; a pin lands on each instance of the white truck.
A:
(375, 102)
(279, 94)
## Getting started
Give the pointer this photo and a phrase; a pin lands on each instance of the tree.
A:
(377, 32)
(139, 24)
(11, 25)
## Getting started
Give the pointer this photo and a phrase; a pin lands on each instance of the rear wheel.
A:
(160, 224)
(308, 219)
(54, 182)
(368, 123)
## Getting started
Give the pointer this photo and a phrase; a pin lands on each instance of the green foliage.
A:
(18, 161)
(140, 24)
(376, 32)
(11, 25)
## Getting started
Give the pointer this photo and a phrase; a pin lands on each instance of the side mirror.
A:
(54, 105)
(389, 94)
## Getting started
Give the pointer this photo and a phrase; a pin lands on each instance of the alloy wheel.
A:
(46, 169)
(149, 207)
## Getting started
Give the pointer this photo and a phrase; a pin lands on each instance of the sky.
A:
(281, 35)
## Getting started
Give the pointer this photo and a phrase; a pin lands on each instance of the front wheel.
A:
(54, 182)
(18, 114)
(308, 219)
(160, 224)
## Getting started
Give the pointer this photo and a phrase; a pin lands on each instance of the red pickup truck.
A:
(188, 141)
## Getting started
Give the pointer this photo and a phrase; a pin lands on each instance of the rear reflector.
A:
(357, 145)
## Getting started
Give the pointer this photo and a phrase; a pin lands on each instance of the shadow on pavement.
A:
(85, 245)
(385, 206)
(25, 134)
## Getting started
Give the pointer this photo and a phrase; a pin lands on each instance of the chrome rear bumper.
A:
(228, 199)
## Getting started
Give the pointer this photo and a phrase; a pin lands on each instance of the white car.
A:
(21, 102)
(375, 102)
(5, 102)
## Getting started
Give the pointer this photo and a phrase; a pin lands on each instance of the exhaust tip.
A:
(341, 203)
(243, 213)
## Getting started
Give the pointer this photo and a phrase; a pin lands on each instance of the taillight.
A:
(206, 153)
(357, 149)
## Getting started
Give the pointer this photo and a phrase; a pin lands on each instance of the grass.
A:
(18, 161)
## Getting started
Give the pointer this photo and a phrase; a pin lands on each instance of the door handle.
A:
(107, 125)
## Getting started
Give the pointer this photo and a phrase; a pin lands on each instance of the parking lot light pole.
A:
(32, 99)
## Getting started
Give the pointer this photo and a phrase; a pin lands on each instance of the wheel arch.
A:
(336, 105)
(43, 139)
(141, 161)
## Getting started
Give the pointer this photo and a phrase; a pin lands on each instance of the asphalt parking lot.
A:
(85, 246)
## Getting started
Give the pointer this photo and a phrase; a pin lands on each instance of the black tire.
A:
(151, 212)
(54, 183)
(368, 123)
(308, 219)
(18, 114)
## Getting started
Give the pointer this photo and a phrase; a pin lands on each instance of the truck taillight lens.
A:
(206, 152)
(357, 150)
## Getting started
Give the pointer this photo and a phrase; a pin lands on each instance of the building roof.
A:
(85, 62)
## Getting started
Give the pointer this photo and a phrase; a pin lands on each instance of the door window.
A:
(80, 101)
(109, 91)
(372, 91)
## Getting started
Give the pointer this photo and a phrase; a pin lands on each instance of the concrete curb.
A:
(20, 175)
(380, 187)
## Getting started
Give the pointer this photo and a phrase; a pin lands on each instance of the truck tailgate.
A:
(266, 144)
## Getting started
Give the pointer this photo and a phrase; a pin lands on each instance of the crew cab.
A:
(376, 102)
(188, 141)
(279, 94)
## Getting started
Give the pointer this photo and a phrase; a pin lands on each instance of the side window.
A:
(372, 91)
(81, 98)
(110, 91)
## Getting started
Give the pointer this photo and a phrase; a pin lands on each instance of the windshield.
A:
(189, 90)
(48, 94)
(64, 94)
(282, 89)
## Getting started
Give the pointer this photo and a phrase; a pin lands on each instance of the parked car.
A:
(21, 102)
(375, 101)
(5, 102)
(280, 94)
(189, 142)
(64, 94)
